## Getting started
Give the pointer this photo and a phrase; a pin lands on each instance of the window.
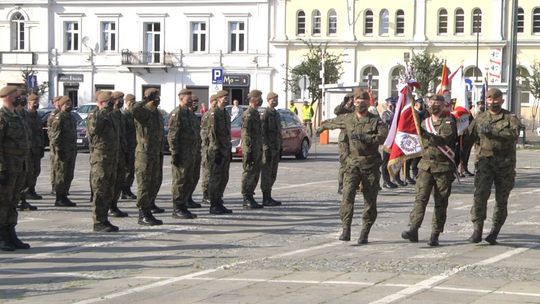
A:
(394, 81)
(237, 36)
(108, 36)
(332, 22)
(536, 21)
(383, 23)
(400, 22)
(316, 22)
(473, 72)
(104, 87)
(301, 23)
(17, 32)
(368, 23)
(71, 35)
(443, 21)
(477, 21)
(460, 22)
(198, 36)
(370, 72)
(520, 20)
(152, 42)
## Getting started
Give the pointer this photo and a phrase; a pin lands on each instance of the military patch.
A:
(448, 122)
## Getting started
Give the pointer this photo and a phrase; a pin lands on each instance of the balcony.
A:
(148, 60)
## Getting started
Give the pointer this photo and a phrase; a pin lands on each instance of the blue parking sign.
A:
(217, 76)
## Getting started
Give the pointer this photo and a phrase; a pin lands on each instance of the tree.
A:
(311, 68)
(427, 68)
(38, 89)
(532, 83)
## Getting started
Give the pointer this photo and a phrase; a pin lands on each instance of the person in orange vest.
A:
(307, 116)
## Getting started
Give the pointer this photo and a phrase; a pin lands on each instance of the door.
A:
(72, 91)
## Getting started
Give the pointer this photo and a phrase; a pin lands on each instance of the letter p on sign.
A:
(217, 76)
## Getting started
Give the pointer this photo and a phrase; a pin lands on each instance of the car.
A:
(296, 141)
(44, 113)
(82, 139)
(86, 109)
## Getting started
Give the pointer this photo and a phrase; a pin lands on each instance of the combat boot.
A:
(345, 234)
(5, 240)
(250, 203)
(363, 239)
(434, 239)
(31, 194)
(221, 205)
(155, 209)
(389, 185)
(105, 227)
(411, 235)
(114, 211)
(24, 205)
(205, 199)
(146, 218)
(13, 239)
(340, 189)
(476, 237)
(214, 208)
(181, 212)
(60, 202)
(127, 194)
(492, 236)
(67, 201)
(269, 201)
(192, 204)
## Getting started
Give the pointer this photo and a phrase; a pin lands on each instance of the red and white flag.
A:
(461, 109)
(403, 141)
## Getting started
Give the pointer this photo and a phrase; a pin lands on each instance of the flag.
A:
(461, 110)
(403, 141)
(445, 83)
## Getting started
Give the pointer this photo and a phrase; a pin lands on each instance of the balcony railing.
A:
(148, 58)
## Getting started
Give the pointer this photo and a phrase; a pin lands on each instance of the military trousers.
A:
(219, 174)
(441, 185)
(119, 182)
(489, 172)
(182, 180)
(252, 171)
(149, 173)
(205, 171)
(369, 178)
(269, 169)
(64, 167)
(102, 180)
(130, 168)
(343, 154)
(8, 200)
(196, 170)
(34, 169)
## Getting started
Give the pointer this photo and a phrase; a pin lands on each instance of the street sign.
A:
(71, 77)
(303, 83)
(469, 84)
(237, 80)
(217, 76)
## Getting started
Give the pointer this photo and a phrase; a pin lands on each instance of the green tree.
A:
(532, 83)
(427, 68)
(39, 89)
(311, 68)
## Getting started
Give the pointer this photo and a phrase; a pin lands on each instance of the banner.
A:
(461, 109)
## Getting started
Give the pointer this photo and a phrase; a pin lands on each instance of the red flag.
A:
(461, 109)
(403, 141)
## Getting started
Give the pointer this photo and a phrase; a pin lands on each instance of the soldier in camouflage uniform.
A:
(365, 132)
(14, 147)
(50, 119)
(37, 149)
(117, 98)
(63, 143)
(251, 138)
(272, 145)
(183, 138)
(131, 144)
(219, 153)
(205, 142)
(148, 155)
(345, 107)
(198, 157)
(436, 171)
(103, 134)
(496, 132)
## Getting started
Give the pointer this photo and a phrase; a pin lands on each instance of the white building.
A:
(82, 46)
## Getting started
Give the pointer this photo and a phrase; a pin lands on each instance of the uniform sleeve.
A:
(245, 132)
(174, 132)
(54, 132)
(382, 132)
(508, 132)
(3, 124)
(140, 112)
(340, 109)
(335, 123)
(472, 130)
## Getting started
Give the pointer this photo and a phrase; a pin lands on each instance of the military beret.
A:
(185, 92)
(56, 99)
(194, 97)
(117, 95)
(213, 97)
(130, 97)
(254, 94)
(493, 93)
(361, 94)
(7, 90)
(63, 100)
(438, 97)
(33, 97)
(149, 91)
(21, 92)
(103, 95)
(221, 93)
(271, 95)
(419, 100)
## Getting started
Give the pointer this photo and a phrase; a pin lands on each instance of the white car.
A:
(85, 109)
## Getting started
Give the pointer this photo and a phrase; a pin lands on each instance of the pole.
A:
(477, 28)
(511, 94)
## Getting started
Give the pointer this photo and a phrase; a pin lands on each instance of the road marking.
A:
(196, 274)
(431, 282)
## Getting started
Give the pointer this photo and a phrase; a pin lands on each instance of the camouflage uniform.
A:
(21, 185)
(52, 173)
(496, 136)
(272, 145)
(205, 165)
(131, 144)
(103, 134)
(36, 149)
(343, 143)
(365, 135)
(219, 153)
(122, 159)
(198, 161)
(251, 138)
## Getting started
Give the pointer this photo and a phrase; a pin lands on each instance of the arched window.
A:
(520, 20)
(459, 27)
(370, 76)
(477, 21)
(400, 22)
(536, 21)
(300, 23)
(18, 35)
(473, 72)
(316, 22)
(443, 22)
(384, 22)
(521, 77)
(332, 22)
(394, 80)
(368, 22)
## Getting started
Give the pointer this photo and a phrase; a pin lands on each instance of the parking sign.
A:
(217, 76)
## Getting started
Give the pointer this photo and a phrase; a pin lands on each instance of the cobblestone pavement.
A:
(287, 254)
